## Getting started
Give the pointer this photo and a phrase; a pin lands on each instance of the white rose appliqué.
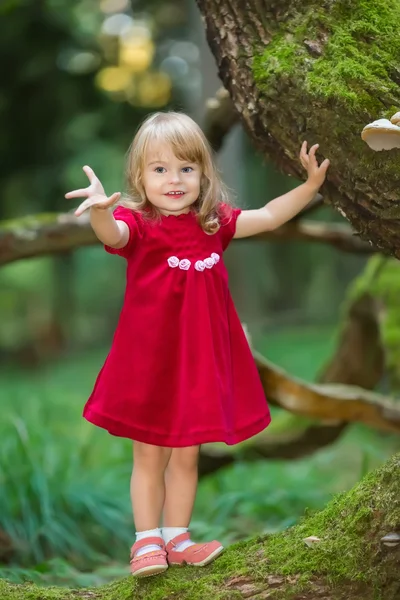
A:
(184, 264)
(200, 265)
(209, 262)
(173, 261)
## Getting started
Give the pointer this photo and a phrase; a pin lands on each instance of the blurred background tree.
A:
(79, 77)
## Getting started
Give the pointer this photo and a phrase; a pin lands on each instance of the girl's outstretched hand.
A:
(94, 194)
(316, 173)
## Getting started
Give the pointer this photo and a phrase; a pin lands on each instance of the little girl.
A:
(180, 372)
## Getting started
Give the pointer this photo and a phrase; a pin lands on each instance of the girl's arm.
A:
(282, 209)
(109, 231)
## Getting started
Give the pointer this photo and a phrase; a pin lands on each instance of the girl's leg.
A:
(148, 489)
(180, 492)
(180, 486)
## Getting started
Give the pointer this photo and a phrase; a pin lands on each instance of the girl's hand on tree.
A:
(95, 194)
(316, 173)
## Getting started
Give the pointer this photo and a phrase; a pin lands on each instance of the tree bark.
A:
(360, 357)
(347, 561)
(318, 70)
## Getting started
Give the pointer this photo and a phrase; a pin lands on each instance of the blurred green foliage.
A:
(53, 117)
(65, 484)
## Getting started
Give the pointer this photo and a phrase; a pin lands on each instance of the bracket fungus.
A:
(383, 134)
(391, 540)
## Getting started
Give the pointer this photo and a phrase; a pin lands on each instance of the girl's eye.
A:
(159, 169)
(187, 169)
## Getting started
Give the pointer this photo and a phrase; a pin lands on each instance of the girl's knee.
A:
(185, 458)
(148, 456)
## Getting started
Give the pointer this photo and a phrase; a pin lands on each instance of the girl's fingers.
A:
(90, 173)
(303, 151)
(312, 158)
(109, 201)
(304, 156)
(325, 164)
(82, 207)
(99, 203)
(113, 198)
(78, 193)
(313, 150)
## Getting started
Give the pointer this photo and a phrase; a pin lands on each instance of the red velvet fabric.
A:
(179, 371)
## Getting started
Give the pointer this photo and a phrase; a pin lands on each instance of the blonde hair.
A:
(188, 142)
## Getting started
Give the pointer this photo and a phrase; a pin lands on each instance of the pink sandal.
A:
(151, 563)
(198, 555)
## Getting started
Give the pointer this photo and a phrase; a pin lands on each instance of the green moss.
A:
(185, 584)
(350, 529)
(32, 592)
(381, 279)
(280, 58)
(359, 45)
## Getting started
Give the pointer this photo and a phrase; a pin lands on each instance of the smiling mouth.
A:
(174, 194)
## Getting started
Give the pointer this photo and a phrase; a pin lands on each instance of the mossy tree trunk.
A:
(318, 70)
(348, 562)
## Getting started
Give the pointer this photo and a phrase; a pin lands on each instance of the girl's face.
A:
(172, 185)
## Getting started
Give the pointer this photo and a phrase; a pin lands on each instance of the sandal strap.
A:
(148, 556)
(182, 537)
(156, 541)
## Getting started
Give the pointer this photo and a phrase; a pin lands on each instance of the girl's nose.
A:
(175, 177)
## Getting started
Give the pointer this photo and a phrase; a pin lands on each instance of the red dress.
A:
(180, 371)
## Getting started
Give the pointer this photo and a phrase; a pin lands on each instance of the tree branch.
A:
(44, 234)
(285, 446)
(338, 235)
(311, 208)
(330, 402)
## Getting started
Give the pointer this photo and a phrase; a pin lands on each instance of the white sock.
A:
(169, 533)
(141, 535)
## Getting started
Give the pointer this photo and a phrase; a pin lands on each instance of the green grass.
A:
(63, 484)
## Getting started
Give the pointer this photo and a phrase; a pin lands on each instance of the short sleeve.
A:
(131, 219)
(227, 217)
